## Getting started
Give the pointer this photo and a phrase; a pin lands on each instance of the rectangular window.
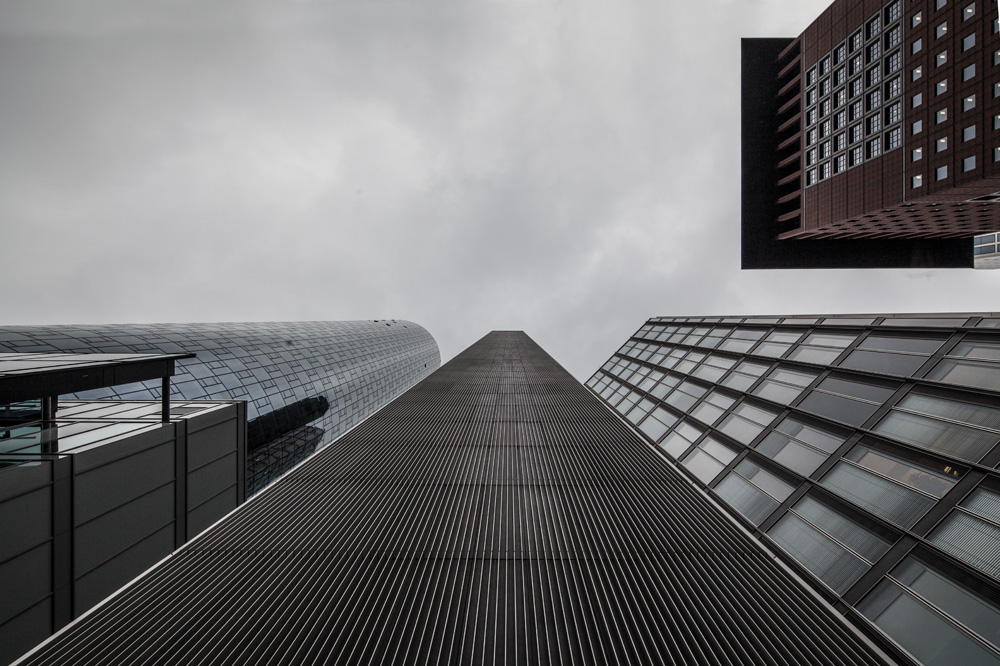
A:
(969, 72)
(708, 459)
(856, 41)
(969, 103)
(893, 37)
(874, 124)
(874, 99)
(856, 88)
(846, 400)
(918, 127)
(916, 20)
(892, 13)
(918, 154)
(941, 145)
(753, 491)
(938, 4)
(968, 42)
(923, 610)
(857, 156)
(972, 532)
(893, 88)
(950, 427)
(894, 114)
(873, 27)
(969, 133)
(893, 139)
(824, 87)
(941, 58)
(856, 134)
(917, 73)
(811, 77)
(857, 110)
(917, 181)
(874, 52)
(941, 116)
(942, 172)
(840, 142)
(941, 87)
(941, 30)
(918, 99)
(916, 46)
(969, 12)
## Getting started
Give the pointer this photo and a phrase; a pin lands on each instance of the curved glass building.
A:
(305, 383)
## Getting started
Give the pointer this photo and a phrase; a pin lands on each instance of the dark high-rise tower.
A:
(496, 513)
(880, 122)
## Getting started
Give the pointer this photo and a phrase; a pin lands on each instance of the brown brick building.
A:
(886, 125)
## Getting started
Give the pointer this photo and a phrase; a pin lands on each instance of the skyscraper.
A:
(880, 121)
(862, 449)
(495, 513)
(305, 383)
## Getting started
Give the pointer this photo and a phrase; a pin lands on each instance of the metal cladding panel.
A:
(495, 513)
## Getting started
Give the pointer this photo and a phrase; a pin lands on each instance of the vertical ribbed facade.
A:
(863, 449)
(496, 513)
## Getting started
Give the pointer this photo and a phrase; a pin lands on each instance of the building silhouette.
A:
(495, 513)
(305, 383)
(861, 449)
(872, 132)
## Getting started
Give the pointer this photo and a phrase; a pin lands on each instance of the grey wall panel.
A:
(209, 512)
(23, 632)
(118, 530)
(208, 444)
(208, 480)
(27, 579)
(100, 490)
(129, 445)
(19, 479)
(26, 521)
(119, 570)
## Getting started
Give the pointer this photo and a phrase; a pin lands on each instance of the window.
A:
(847, 400)
(825, 108)
(969, 12)
(811, 157)
(918, 127)
(971, 531)
(996, 90)
(810, 177)
(874, 75)
(968, 42)
(942, 172)
(951, 427)
(680, 439)
(841, 120)
(839, 77)
(708, 459)
(874, 99)
(941, 116)
(746, 422)
(856, 41)
(824, 66)
(972, 362)
(996, 154)
(941, 145)
(917, 18)
(896, 485)
(969, 72)
(657, 423)
(892, 13)
(753, 491)
(840, 142)
(918, 154)
(969, 103)
(824, 87)
(840, 98)
(916, 46)
(784, 384)
(941, 87)
(996, 121)
(996, 57)
(777, 343)
(857, 110)
(873, 27)
(874, 124)
(893, 139)
(840, 54)
(917, 181)
(969, 133)
(917, 73)
(810, 137)
(745, 374)
(811, 77)
(811, 97)
(856, 88)
(933, 616)
(938, 4)
(894, 114)
(941, 30)
(857, 156)
(918, 99)
(712, 407)
(893, 37)
(836, 548)
(893, 88)
(857, 64)
(811, 117)
(874, 52)
(892, 354)
(893, 62)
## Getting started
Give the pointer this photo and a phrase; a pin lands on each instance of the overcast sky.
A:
(569, 168)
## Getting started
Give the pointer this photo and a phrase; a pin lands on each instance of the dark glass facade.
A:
(863, 449)
(305, 383)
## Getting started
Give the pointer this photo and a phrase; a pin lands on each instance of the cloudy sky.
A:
(565, 167)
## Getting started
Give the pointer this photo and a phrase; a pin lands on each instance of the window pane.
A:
(837, 408)
(919, 477)
(883, 362)
(882, 497)
(791, 454)
(740, 429)
(933, 435)
(922, 632)
(858, 538)
(830, 562)
(855, 389)
(749, 500)
(821, 439)
(967, 373)
(971, 540)
(703, 466)
(896, 343)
